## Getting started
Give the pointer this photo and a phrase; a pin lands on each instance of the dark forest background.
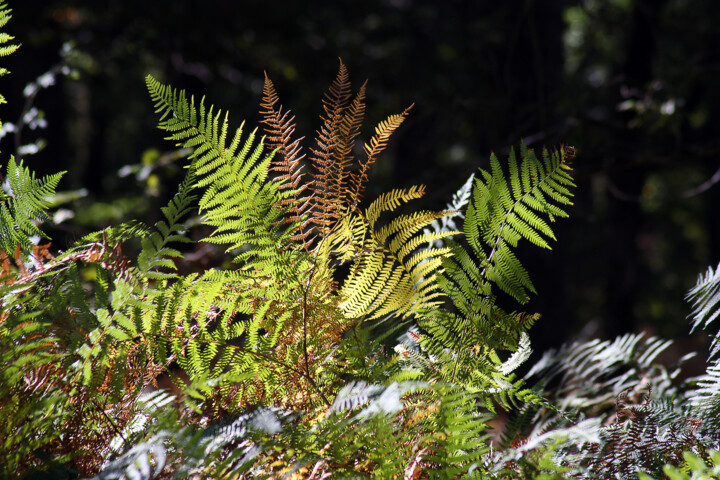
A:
(633, 85)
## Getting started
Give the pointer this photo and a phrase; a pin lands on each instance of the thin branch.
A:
(692, 192)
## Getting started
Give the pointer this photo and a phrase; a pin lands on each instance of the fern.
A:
(155, 253)
(279, 129)
(23, 202)
(277, 305)
(705, 297)
(705, 394)
(696, 466)
(338, 180)
(705, 397)
(654, 420)
(264, 326)
(369, 431)
(502, 210)
(285, 362)
(23, 199)
(645, 437)
(389, 275)
(589, 374)
(5, 50)
(238, 202)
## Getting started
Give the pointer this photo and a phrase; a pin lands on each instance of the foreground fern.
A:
(339, 340)
(284, 365)
(502, 210)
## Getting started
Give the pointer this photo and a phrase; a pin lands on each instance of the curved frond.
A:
(390, 273)
(240, 202)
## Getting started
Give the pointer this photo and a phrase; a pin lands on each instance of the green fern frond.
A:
(155, 253)
(5, 50)
(499, 214)
(23, 202)
(693, 467)
(503, 209)
(240, 202)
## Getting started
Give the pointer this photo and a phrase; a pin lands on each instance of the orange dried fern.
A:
(279, 130)
(337, 181)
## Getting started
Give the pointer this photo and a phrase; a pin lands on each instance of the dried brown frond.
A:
(329, 173)
(343, 155)
(287, 163)
(279, 128)
(337, 181)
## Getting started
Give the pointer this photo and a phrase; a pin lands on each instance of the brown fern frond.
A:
(343, 155)
(377, 144)
(287, 163)
(279, 128)
(336, 98)
(337, 182)
(329, 172)
(352, 121)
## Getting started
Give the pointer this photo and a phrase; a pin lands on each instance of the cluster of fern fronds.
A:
(343, 340)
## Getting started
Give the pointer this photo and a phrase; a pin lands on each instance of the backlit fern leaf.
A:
(240, 202)
(390, 274)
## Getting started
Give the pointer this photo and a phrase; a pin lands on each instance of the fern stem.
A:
(110, 421)
(498, 239)
(305, 350)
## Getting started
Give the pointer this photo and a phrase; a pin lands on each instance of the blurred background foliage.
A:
(631, 84)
